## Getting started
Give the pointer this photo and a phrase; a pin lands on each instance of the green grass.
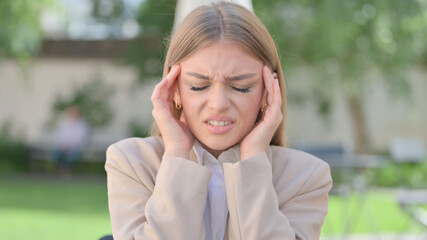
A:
(34, 208)
(375, 212)
(51, 208)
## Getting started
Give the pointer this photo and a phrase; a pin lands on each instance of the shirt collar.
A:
(200, 151)
(231, 155)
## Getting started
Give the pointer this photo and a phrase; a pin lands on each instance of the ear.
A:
(182, 118)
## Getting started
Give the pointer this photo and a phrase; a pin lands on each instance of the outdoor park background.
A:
(356, 77)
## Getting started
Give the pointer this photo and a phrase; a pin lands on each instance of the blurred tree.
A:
(341, 41)
(109, 11)
(136, 129)
(20, 30)
(345, 40)
(155, 21)
(155, 18)
(13, 149)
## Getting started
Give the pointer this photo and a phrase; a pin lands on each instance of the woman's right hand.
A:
(176, 136)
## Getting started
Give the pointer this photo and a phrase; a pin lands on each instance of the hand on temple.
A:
(259, 138)
(177, 137)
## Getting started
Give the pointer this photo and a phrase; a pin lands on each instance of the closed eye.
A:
(196, 89)
(242, 90)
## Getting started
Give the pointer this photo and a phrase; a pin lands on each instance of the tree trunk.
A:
(360, 129)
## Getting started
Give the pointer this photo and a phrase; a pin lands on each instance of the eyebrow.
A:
(198, 75)
(240, 77)
(230, 78)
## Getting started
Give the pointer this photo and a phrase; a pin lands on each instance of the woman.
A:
(217, 168)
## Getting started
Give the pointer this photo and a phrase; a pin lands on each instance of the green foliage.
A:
(147, 53)
(155, 19)
(410, 175)
(342, 40)
(13, 151)
(93, 99)
(390, 175)
(136, 129)
(20, 30)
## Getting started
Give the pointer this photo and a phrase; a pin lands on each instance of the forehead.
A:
(223, 57)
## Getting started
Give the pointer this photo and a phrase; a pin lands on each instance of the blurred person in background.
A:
(71, 136)
(216, 165)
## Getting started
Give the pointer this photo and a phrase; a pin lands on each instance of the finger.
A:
(276, 107)
(157, 92)
(275, 102)
(264, 98)
(268, 82)
(277, 97)
(169, 88)
(162, 89)
(277, 93)
(173, 75)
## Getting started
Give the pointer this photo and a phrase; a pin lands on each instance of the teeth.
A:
(219, 123)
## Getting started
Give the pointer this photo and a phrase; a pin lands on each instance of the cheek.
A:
(184, 94)
(253, 100)
(191, 104)
(251, 105)
(188, 97)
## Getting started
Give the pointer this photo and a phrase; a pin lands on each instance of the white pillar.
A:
(183, 7)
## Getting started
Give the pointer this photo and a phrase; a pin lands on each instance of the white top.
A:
(72, 133)
(216, 210)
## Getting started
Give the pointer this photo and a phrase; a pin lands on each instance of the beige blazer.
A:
(278, 194)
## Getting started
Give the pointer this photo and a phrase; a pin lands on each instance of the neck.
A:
(214, 152)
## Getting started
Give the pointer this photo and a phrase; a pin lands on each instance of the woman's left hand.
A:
(259, 138)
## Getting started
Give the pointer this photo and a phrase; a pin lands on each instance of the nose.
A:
(219, 100)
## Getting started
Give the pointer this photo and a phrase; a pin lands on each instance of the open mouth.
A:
(219, 123)
(219, 126)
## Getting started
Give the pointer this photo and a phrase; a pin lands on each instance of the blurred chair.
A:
(107, 237)
(413, 151)
(339, 156)
(407, 150)
(349, 168)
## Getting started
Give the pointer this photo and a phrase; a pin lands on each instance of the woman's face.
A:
(221, 89)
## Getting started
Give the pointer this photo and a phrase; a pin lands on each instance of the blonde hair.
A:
(226, 21)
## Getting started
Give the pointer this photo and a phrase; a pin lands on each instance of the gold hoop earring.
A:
(178, 106)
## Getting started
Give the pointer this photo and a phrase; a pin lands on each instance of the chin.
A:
(219, 145)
